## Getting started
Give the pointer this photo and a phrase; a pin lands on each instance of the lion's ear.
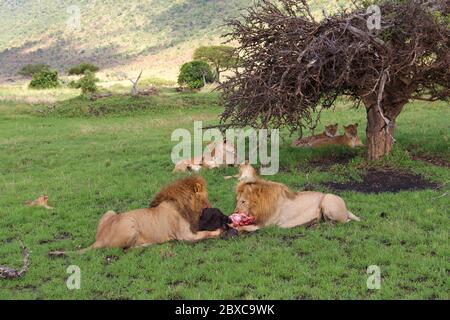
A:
(198, 187)
(245, 163)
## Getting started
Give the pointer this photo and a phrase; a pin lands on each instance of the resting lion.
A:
(173, 215)
(215, 155)
(273, 203)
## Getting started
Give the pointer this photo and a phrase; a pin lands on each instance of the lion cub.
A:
(330, 132)
(350, 138)
(42, 201)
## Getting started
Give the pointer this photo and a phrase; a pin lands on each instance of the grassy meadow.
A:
(114, 154)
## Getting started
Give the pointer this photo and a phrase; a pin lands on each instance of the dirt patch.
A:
(378, 180)
(57, 254)
(309, 187)
(63, 236)
(111, 259)
(324, 163)
(432, 159)
(45, 241)
(289, 239)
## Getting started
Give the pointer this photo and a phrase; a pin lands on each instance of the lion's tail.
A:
(83, 251)
(352, 217)
(66, 253)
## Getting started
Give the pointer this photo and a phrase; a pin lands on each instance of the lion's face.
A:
(260, 199)
(351, 130)
(248, 197)
(243, 204)
(332, 130)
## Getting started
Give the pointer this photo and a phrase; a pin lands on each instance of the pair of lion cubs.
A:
(329, 137)
(175, 212)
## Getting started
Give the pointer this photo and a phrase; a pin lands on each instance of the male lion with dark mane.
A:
(272, 203)
(173, 215)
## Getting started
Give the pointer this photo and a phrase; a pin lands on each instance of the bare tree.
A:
(135, 89)
(293, 66)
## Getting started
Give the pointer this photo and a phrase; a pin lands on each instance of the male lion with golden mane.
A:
(173, 215)
(272, 203)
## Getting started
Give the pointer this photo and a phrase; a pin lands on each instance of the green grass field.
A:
(114, 154)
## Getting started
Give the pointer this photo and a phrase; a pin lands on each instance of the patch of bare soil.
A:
(433, 159)
(378, 180)
(111, 259)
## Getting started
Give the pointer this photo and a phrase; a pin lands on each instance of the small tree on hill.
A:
(195, 74)
(292, 66)
(221, 58)
(88, 83)
(82, 68)
(45, 79)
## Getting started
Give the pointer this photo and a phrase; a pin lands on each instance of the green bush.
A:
(88, 82)
(45, 79)
(30, 69)
(82, 68)
(195, 74)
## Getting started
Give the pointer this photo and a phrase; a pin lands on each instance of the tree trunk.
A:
(135, 89)
(380, 136)
(218, 74)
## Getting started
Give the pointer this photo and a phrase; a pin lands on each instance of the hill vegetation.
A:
(117, 35)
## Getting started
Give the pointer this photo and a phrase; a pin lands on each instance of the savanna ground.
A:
(114, 154)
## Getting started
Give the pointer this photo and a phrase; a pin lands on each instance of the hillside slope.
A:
(119, 35)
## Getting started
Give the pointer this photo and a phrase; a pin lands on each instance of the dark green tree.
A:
(45, 79)
(195, 74)
(88, 82)
(82, 68)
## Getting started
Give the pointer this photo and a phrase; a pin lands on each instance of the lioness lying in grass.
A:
(330, 132)
(350, 138)
(214, 156)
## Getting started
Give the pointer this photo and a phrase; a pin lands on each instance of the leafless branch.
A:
(134, 89)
